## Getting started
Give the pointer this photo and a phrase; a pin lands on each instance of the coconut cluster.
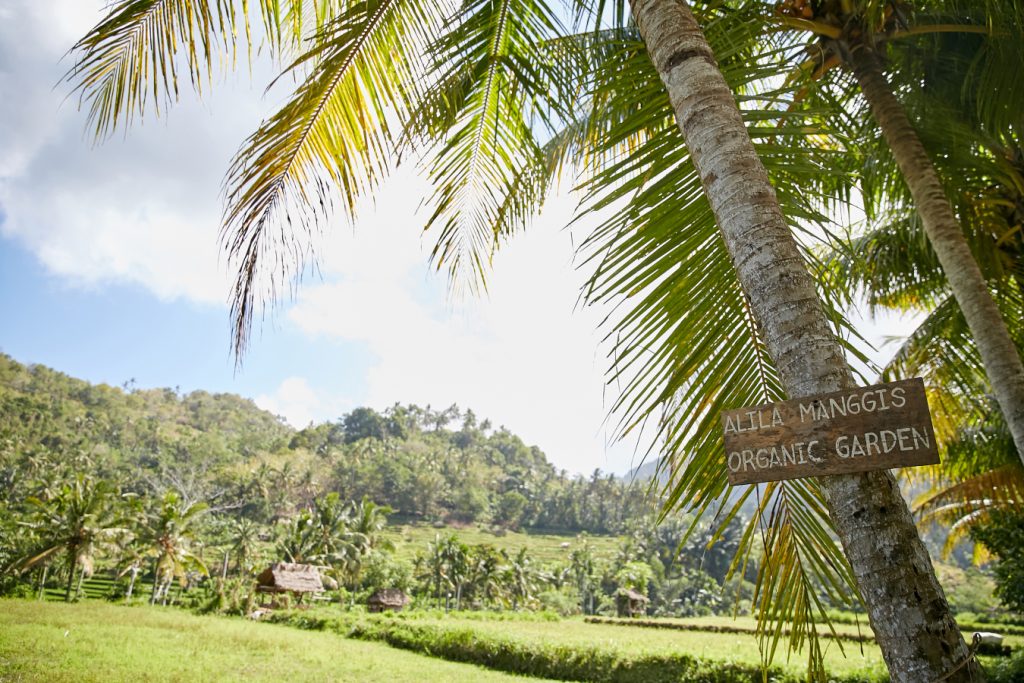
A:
(801, 9)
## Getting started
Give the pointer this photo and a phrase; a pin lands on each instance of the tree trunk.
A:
(73, 561)
(919, 639)
(81, 580)
(42, 581)
(156, 581)
(131, 583)
(998, 353)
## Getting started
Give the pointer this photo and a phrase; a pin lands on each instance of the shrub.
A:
(1009, 670)
(1002, 535)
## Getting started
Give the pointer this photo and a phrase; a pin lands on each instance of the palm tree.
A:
(801, 342)
(430, 568)
(297, 538)
(170, 531)
(502, 99)
(370, 520)
(79, 519)
(451, 562)
(520, 578)
(855, 35)
(484, 574)
(893, 264)
(245, 535)
(583, 569)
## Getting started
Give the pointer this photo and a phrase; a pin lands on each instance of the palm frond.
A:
(138, 54)
(684, 343)
(500, 80)
(960, 506)
(331, 143)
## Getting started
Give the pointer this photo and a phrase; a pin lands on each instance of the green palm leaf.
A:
(331, 142)
(500, 80)
(685, 346)
(136, 56)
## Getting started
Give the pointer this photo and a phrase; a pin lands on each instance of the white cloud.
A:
(296, 401)
(144, 209)
(521, 355)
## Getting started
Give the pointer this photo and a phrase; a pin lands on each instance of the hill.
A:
(426, 464)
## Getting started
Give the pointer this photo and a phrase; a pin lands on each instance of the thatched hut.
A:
(629, 603)
(284, 577)
(391, 599)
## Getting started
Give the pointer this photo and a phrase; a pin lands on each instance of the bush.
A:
(564, 602)
(1009, 670)
(1002, 535)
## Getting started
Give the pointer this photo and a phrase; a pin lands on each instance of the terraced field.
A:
(544, 548)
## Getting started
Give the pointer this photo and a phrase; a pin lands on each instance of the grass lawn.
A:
(96, 641)
(410, 539)
(727, 647)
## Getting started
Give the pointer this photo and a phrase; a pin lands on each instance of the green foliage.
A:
(1003, 534)
(968, 590)
(223, 451)
(1010, 670)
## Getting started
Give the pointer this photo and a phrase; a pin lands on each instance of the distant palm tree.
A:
(430, 567)
(170, 530)
(484, 574)
(81, 517)
(245, 535)
(297, 538)
(370, 520)
(520, 578)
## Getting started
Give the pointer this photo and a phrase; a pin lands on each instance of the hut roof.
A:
(633, 595)
(297, 578)
(392, 597)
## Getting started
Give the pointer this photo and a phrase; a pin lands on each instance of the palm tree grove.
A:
(699, 357)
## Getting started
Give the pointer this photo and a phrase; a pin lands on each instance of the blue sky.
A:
(115, 332)
(110, 269)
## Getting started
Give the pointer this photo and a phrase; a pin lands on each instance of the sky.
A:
(111, 271)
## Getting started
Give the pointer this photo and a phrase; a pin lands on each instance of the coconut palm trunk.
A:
(134, 571)
(998, 352)
(918, 637)
(73, 565)
(42, 581)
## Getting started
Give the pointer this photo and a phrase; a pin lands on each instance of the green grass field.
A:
(727, 647)
(101, 641)
(96, 641)
(543, 548)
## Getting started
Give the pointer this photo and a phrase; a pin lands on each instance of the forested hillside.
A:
(221, 449)
(125, 483)
(170, 487)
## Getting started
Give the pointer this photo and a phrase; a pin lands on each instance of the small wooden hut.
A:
(391, 599)
(629, 603)
(284, 577)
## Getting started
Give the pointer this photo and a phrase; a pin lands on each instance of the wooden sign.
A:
(868, 428)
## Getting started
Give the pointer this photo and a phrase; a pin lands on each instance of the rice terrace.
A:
(626, 341)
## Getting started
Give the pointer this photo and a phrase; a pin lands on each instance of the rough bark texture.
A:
(1002, 362)
(907, 609)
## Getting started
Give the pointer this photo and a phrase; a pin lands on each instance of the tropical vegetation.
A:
(698, 201)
